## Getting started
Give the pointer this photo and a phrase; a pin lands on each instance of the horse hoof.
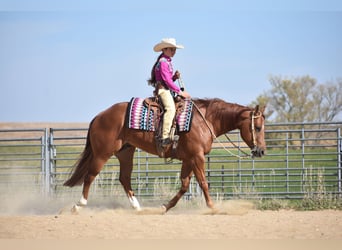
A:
(164, 209)
(138, 209)
(75, 209)
(134, 203)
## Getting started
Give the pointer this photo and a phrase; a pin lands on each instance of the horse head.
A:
(252, 130)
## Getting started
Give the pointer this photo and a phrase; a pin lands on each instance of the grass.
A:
(312, 203)
(315, 196)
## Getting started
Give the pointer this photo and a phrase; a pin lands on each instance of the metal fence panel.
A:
(302, 159)
(23, 161)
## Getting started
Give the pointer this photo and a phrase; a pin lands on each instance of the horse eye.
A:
(258, 129)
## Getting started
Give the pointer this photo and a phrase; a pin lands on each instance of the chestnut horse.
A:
(108, 136)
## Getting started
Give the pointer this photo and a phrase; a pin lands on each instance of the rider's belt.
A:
(161, 85)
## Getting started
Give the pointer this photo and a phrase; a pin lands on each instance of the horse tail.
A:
(80, 169)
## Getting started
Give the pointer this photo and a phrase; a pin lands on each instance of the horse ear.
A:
(256, 109)
(262, 110)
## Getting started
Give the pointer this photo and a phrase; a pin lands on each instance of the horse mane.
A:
(206, 102)
(220, 105)
(223, 112)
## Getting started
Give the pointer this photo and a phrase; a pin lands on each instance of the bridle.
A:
(253, 117)
(254, 145)
(246, 155)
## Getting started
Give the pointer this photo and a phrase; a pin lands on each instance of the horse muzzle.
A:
(258, 152)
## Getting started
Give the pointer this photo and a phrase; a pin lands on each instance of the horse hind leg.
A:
(195, 166)
(185, 177)
(96, 167)
(125, 157)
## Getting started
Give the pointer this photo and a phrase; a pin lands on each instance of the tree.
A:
(301, 99)
(329, 100)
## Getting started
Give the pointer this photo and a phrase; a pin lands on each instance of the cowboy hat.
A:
(167, 43)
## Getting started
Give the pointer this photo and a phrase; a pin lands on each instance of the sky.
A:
(66, 62)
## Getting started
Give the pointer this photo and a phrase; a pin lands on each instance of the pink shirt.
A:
(164, 72)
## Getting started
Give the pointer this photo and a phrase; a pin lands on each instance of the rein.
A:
(218, 141)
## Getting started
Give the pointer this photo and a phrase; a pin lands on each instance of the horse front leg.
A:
(185, 177)
(202, 181)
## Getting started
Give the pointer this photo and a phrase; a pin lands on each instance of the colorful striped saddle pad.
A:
(139, 116)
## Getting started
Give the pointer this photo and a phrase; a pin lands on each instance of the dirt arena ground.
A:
(232, 220)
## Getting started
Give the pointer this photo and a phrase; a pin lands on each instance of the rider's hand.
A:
(185, 94)
(176, 75)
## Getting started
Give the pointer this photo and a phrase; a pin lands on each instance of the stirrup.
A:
(166, 142)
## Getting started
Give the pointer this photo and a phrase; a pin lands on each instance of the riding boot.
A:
(166, 142)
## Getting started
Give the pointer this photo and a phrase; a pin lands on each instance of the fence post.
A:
(287, 164)
(43, 164)
(222, 178)
(302, 142)
(139, 171)
(46, 163)
(51, 158)
(339, 161)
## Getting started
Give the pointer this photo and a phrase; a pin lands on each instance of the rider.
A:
(162, 77)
